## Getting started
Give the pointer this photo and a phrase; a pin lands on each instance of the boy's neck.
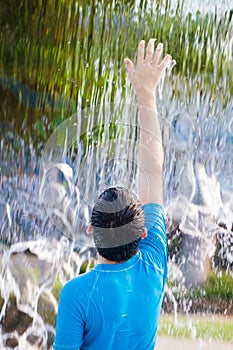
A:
(102, 260)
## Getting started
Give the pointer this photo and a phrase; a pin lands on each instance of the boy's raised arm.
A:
(145, 77)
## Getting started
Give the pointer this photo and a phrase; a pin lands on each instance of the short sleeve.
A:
(70, 320)
(154, 246)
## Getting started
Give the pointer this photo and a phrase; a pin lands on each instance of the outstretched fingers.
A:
(158, 53)
(141, 52)
(129, 67)
(150, 50)
(165, 62)
(149, 66)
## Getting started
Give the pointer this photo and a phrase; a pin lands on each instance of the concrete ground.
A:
(167, 343)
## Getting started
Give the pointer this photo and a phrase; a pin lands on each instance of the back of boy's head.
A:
(118, 222)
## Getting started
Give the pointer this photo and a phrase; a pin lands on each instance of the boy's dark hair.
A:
(118, 222)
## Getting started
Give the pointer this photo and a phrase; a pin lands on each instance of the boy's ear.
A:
(89, 229)
(144, 234)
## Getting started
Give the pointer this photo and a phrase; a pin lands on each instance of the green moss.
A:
(46, 311)
(86, 265)
(57, 288)
(199, 328)
(66, 52)
(217, 286)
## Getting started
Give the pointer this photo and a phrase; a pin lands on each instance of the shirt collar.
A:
(118, 266)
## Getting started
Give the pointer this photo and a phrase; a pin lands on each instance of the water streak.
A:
(60, 61)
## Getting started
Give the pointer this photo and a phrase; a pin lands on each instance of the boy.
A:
(116, 306)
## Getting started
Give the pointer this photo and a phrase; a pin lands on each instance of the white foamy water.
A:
(43, 220)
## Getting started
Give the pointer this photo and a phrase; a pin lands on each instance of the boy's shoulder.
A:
(80, 282)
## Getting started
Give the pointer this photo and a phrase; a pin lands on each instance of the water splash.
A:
(196, 117)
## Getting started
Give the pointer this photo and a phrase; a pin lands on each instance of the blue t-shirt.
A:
(117, 306)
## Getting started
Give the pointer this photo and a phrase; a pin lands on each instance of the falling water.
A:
(69, 129)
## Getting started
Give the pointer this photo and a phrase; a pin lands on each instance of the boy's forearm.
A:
(151, 150)
(145, 77)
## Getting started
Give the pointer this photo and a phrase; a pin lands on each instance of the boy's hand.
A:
(146, 74)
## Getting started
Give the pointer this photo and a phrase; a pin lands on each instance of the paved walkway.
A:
(172, 343)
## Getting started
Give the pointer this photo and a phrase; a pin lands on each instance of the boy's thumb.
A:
(128, 63)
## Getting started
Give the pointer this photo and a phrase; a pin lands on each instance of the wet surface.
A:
(164, 343)
(60, 57)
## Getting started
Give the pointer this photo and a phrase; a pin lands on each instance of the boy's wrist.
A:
(146, 99)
